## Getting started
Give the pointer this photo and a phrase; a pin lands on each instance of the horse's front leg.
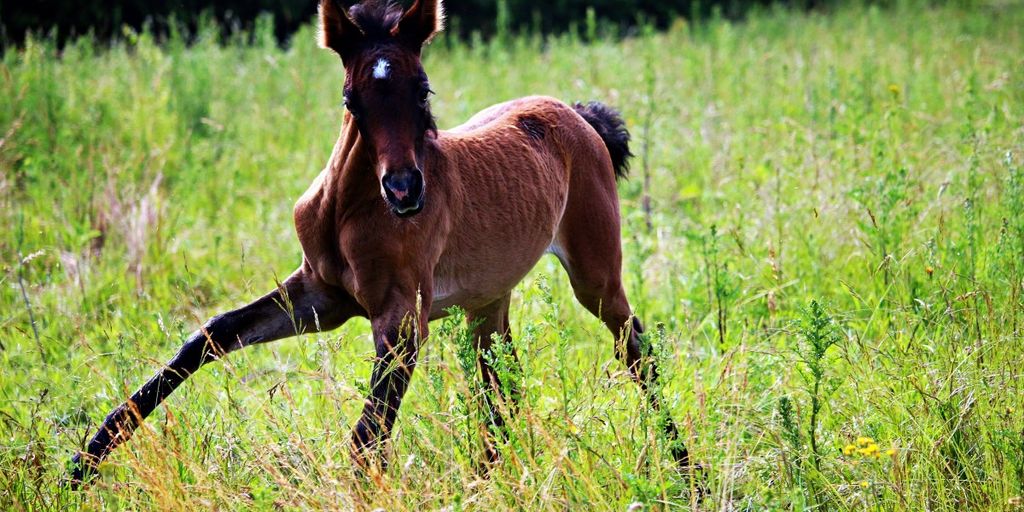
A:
(299, 304)
(399, 325)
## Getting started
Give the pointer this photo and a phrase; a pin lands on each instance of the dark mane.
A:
(376, 18)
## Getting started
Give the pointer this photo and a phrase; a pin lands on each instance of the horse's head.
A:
(386, 90)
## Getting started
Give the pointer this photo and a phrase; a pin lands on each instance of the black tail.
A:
(613, 132)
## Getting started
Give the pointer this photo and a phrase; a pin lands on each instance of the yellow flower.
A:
(864, 441)
(894, 90)
(849, 449)
(870, 450)
(864, 484)
(891, 452)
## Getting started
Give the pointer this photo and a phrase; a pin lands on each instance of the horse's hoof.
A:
(699, 481)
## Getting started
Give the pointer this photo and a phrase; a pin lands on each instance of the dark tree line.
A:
(67, 19)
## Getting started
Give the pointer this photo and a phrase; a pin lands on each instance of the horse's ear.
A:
(421, 22)
(337, 30)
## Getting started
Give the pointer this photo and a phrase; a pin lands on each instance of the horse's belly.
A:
(479, 277)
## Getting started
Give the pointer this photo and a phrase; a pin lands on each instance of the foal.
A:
(406, 221)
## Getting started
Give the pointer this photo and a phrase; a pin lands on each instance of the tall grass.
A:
(865, 159)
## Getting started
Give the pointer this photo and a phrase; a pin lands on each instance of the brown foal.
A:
(406, 221)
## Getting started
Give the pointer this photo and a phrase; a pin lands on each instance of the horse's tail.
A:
(612, 129)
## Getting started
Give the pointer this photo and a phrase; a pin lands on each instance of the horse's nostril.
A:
(399, 194)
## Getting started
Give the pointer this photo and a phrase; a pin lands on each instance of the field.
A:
(823, 231)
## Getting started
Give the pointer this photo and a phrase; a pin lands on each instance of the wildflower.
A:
(929, 270)
(864, 441)
(894, 90)
(891, 452)
(32, 256)
(864, 484)
(871, 450)
(849, 449)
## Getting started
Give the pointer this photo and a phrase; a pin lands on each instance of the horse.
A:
(406, 221)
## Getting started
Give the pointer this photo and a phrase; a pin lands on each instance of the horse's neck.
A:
(350, 174)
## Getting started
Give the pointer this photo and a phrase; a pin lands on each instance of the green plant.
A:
(782, 131)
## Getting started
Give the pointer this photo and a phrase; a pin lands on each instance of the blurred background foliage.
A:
(105, 20)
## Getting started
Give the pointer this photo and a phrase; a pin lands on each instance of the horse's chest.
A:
(314, 231)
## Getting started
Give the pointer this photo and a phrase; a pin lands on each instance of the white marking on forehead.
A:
(382, 69)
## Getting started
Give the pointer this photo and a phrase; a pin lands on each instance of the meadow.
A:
(823, 231)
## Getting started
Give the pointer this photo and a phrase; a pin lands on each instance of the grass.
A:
(833, 250)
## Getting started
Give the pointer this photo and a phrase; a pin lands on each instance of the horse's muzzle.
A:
(403, 191)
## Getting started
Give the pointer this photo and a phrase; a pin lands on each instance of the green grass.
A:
(834, 250)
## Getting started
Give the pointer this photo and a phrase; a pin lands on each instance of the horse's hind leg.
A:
(489, 322)
(588, 245)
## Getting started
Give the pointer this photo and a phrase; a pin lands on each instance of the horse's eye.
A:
(425, 93)
(350, 105)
